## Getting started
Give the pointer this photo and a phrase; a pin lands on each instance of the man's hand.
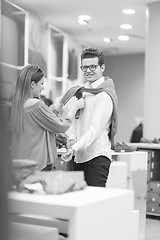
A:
(66, 157)
(70, 143)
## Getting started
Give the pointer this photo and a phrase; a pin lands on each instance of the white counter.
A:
(145, 145)
(93, 213)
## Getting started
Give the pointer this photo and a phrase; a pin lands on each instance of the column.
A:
(152, 72)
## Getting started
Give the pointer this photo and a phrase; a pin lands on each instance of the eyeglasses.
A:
(92, 68)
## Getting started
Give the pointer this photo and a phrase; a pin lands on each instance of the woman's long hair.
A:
(27, 75)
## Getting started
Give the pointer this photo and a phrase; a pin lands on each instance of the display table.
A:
(23, 231)
(136, 170)
(145, 145)
(153, 176)
(133, 167)
(93, 213)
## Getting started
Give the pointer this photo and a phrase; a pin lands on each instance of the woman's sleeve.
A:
(48, 120)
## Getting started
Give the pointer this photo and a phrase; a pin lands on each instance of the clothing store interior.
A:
(79, 123)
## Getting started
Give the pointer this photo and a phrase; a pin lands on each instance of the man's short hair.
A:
(92, 53)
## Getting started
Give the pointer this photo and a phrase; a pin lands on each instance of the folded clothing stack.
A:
(23, 168)
(146, 140)
(53, 182)
(123, 147)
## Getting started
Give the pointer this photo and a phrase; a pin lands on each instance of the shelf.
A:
(13, 37)
(13, 46)
(153, 175)
(56, 50)
(146, 146)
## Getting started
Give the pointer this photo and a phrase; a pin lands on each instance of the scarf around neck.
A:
(108, 87)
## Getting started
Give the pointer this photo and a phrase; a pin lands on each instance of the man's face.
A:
(95, 71)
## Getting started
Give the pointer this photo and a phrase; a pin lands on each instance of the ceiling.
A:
(106, 17)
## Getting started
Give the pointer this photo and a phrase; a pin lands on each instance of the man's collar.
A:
(98, 82)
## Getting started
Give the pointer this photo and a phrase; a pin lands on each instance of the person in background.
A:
(33, 123)
(137, 133)
(91, 139)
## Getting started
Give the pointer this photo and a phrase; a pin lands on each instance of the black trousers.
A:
(95, 171)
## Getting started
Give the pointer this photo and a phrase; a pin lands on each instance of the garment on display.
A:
(124, 147)
(146, 140)
(53, 182)
(23, 168)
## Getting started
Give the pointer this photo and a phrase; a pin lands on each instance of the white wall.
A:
(127, 71)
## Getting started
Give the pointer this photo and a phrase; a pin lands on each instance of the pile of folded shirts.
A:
(124, 147)
(23, 168)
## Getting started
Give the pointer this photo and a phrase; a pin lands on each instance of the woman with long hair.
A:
(34, 124)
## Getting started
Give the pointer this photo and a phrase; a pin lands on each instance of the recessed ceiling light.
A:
(106, 39)
(123, 38)
(82, 22)
(128, 11)
(126, 26)
(84, 17)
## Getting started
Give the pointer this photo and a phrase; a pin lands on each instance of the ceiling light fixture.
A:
(82, 22)
(123, 38)
(128, 11)
(106, 39)
(83, 19)
(126, 26)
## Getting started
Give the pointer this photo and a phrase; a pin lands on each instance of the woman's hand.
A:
(69, 94)
(79, 104)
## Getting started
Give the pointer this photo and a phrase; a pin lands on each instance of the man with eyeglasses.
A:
(94, 131)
